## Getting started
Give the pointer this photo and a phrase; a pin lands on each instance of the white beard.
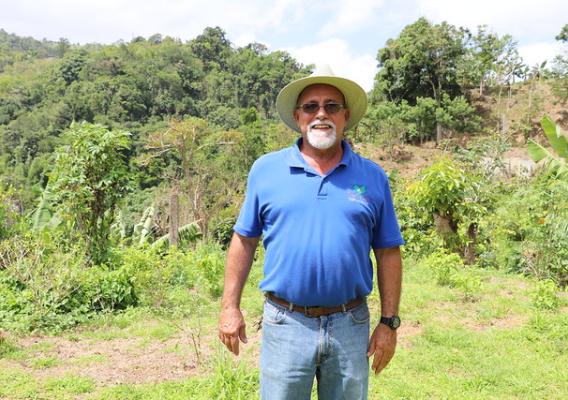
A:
(321, 140)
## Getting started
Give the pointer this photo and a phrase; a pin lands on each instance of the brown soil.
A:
(137, 360)
(415, 159)
(407, 332)
(112, 362)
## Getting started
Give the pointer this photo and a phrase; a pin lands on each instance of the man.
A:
(320, 209)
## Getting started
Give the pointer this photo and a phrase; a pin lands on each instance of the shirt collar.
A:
(296, 160)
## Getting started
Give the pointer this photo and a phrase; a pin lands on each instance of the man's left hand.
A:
(382, 344)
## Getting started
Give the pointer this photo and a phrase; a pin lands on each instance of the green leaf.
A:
(555, 137)
(536, 151)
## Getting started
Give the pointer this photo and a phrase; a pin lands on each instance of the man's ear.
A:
(347, 115)
(297, 116)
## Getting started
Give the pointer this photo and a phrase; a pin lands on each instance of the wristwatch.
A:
(392, 322)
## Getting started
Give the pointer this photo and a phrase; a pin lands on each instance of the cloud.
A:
(335, 52)
(348, 16)
(245, 39)
(523, 19)
(106, 21)
(283, 24)
(536, 53)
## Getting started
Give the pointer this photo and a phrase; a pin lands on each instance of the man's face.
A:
(321, 129)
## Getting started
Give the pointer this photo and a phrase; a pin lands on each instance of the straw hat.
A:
(355, 96)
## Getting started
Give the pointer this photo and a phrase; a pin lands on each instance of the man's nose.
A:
(321, 113)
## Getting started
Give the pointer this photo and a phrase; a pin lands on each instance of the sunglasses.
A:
(312, 108)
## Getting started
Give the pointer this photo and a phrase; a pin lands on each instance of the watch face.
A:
(392, 322)
(395, 322)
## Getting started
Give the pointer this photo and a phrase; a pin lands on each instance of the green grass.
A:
(494, 343)
(68, 386)
(7, 347)
(496, 347)
(44, 362)
(16, 384)
(88, 360)
(230, 380)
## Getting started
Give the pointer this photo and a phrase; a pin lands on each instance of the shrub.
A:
(9, 217)
(43, 287)
(158, 278)
(544, 295)
(153, 275)
(88, 179)
(222, 231)
(531, 229)
(449, 270)
(210, 265)
(416, 225)
(454, 201)
(467, 282)
(104, 289)
(444, 265)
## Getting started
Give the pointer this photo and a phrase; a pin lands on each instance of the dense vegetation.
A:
(122, 168)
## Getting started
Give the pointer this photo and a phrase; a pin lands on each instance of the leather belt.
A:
(314, 311)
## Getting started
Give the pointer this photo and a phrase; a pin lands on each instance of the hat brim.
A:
(355, 98)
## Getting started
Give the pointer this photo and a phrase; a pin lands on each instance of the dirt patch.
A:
(509, 322)
(116, 361)
(417, 157)
(407, 332)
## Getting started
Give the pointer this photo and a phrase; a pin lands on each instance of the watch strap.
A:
(392, 322)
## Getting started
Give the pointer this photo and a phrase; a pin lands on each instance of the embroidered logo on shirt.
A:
(360, 189)
(357, 193)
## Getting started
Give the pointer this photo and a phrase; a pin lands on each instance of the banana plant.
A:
(557, 162)
(119, 227)
(189, 233)
(43, 216)
(143, 229)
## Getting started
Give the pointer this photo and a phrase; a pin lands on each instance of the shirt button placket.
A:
(322, 192)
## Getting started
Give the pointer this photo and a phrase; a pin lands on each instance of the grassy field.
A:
(497, 341)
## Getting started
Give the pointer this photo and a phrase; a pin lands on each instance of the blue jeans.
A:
(296, 348)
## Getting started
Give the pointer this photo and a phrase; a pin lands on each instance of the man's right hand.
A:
(232, 328)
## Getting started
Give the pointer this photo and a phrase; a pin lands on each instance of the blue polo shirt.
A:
(318, 230)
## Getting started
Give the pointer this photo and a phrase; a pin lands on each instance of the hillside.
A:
(123, 168)
(511, 123)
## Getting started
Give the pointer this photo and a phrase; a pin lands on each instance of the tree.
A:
(141, 85)
(89, 178)
(71, 66)
(563, 35)
(508, 66)
(560, 68)
(63, 46)
(212, 47)
(423, 62)
(487, 51)
(185, 139)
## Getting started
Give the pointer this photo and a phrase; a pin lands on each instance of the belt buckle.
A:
(313, 311)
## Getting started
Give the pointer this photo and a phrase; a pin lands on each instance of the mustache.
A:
(324, 121)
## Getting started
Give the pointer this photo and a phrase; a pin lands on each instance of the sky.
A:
(345, 34)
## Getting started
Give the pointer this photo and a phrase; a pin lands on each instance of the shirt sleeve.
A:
(249, 223)
(386, 232)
